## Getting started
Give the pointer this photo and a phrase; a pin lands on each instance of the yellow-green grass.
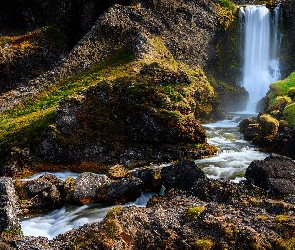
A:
(281, 88)
(22, 124)
(25, 121)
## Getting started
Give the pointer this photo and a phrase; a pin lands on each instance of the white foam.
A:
(61, 175)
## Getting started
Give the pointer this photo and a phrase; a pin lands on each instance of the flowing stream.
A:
(261, 67)
(233, 157)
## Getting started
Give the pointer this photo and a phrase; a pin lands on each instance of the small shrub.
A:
(206, 244)
(193, 213)
(227, 13)
(281, 218)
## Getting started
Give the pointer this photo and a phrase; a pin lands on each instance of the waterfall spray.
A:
(261, 63)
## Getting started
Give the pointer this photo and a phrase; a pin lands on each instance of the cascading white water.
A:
(261, 66)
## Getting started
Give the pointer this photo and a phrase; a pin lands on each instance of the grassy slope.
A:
(281, 89)
(22, 124)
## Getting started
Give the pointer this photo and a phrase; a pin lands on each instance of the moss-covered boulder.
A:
(276, 125)
(147, 110)
(269, 126)
(289, 114)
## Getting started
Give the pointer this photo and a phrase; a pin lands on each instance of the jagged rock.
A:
(48, 149)
(45, 192)
(182, 175)
(275, 173)
(244, 124)
(151, 178)
(87, 187)
(219, 190)
(8, 205)
(121, 191)
(66, 114)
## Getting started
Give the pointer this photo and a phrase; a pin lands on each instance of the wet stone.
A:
(87, 187)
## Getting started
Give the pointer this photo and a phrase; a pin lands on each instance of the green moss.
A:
(269, 125)
(291, 93)
(193, 213)
(203, 244)
(280, 98)
(11, 234)
(228, 5)
(23, 123)
(284, 244)
(172, 93)
(289, 114)
(281, 88)
(5, 40)
(227, 12)
(281, 218)
(279, 103)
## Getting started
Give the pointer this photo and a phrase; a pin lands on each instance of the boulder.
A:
(87, 186)
(243, 125)
(122, 191)
(221, 191)
(269, 125)
(8, 206)
(275, 173)
(43, 193)
(151, 178)
(182, 175)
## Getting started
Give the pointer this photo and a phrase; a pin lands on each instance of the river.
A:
(233, 157)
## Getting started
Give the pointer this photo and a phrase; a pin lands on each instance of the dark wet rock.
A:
(151, 178)
(275, 173)
(244, 124)
(221, 191)
(49, 148)
(182, 175)
(280, 187)
(269, 134)
(252, 131)
(87, 186)
(290, 146)
(31, 243)
(43, 193)
(121, 191)
(9, 210)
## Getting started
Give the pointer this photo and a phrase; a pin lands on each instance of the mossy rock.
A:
(289, 114)
(279, 103)
(281, 88)
(269, 125)
(291, 93)
(203, 244)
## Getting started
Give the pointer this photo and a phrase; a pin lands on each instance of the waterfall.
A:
(261, 51)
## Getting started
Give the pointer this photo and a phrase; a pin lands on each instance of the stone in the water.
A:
(182, 175)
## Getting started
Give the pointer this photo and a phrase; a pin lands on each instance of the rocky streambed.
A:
(194, 213)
